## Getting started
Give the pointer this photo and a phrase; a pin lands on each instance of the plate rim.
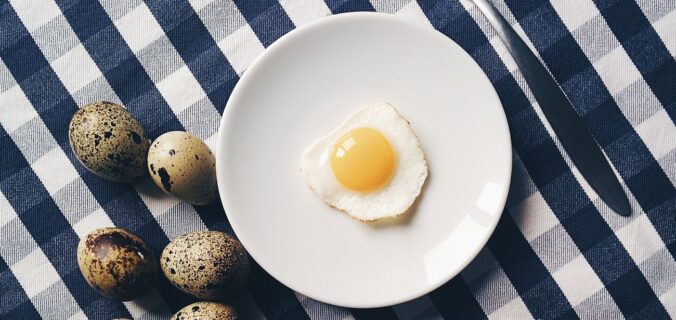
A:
(221, 184)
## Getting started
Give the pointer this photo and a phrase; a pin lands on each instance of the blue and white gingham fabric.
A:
(558, 251)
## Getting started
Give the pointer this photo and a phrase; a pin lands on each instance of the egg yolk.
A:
(363, 160)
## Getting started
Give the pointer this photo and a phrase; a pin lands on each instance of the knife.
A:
(568, 126)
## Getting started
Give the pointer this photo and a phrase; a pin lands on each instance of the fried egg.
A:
(371, 166)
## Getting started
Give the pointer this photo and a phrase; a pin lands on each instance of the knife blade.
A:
(568, 126)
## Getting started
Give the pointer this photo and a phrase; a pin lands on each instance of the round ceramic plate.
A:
(304, 86)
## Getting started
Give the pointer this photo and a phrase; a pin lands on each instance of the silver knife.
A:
(568, 126)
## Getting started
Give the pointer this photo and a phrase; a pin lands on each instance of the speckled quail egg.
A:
(209, 265)
(108, 141)
(116, 263)
(206, 311)
(183, 166)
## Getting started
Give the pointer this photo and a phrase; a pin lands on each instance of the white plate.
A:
(305, 85)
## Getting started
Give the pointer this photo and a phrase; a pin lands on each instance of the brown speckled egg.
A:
(209, 265)
(116, 263)
(206, 311)
(108, 141)
(183, 166)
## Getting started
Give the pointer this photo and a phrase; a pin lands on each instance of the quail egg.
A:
(206, 311)
(183, 166)
(209, 265)
(108, 141)
(116, 263)
(371, 166)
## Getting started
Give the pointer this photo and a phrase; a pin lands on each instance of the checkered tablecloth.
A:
(558, 251)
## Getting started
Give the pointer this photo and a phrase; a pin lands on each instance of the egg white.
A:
(392, 199)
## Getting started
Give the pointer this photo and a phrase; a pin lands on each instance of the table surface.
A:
(558, 251)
